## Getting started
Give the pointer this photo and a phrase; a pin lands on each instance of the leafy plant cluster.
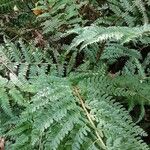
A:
(75, 76)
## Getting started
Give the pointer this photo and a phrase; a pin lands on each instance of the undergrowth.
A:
(72, 78)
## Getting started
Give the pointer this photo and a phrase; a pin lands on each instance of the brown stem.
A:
(2, 143)
(77, 94)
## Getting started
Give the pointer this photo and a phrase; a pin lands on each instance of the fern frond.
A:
(94, 34)
(23, 60)
(83, 116)
(53, 19)
(105, 101)
(130, 13)
(7, 5)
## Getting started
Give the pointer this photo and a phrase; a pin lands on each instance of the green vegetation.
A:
(74, 74)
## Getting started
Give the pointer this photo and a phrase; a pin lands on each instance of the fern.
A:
(7, 6)
(129, 13)
(16, 18)
(62, 96)
(89, 115)
(98, 34)
(81, 108)
(54, 19)
(24, 62)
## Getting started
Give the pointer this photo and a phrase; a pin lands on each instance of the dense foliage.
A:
(74, 74)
